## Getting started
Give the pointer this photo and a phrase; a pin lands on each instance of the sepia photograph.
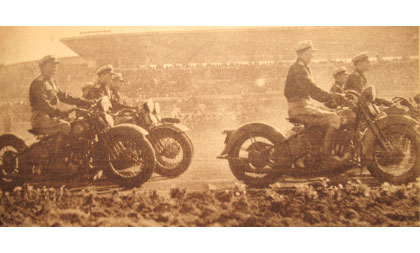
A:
(215, 126)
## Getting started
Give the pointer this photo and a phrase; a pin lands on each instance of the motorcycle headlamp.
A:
(368, 94)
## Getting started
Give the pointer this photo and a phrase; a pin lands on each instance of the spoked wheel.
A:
(131, 161)
(174, 152)
(401, 164)
(11, 166)
(251, 160)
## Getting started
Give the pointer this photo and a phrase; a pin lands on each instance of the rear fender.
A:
(369, 139)
(8, 136)
(234, 136)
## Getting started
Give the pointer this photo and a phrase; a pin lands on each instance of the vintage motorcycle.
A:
(94, 146)
(388, 145)
(173, 147)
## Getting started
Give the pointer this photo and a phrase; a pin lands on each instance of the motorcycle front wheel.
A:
(130, 160)
(174, 151)
(250, 160)
(400, 165)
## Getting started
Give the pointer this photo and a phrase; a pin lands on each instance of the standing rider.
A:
(298, 90)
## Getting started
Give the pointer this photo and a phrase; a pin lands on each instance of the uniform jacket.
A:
(356, 81)
(300, 85)
(336, 88)
(44, 96)
(99, 90)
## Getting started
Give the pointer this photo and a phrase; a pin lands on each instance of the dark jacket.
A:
(44, 96)
(100, 90)
(356, 81)
(337, 88)
(299, 84)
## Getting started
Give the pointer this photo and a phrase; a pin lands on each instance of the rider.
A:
(105, 87)
(44, 97)
(298, 90)
(357, 80)
(340, 75)
(117, 82)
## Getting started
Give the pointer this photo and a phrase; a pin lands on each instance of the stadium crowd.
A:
(193, 90)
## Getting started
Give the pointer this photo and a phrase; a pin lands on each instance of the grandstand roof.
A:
(248, 44)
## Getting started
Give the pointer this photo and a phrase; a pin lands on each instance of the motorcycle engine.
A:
(79, 127)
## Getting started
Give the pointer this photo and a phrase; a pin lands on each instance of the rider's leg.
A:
(316, 116)
(52, 126)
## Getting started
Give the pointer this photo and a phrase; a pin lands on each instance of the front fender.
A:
(177, 127)
(369, 139)
(128, 129)
(248, 128)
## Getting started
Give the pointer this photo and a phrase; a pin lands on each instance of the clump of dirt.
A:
(321, 204)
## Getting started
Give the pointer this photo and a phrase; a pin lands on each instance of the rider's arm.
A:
(316, 93)
(66, 98)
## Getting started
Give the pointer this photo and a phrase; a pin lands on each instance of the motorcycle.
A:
(93, 147)
(388, 145)
(402, 106)
(173, 147)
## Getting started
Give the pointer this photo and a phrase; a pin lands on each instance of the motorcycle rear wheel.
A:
(11, 168)
(254, 156)
(402, 165)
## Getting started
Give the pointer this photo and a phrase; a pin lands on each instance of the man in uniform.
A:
(340, 76)
(117, 82)
(298, 90)
(44, 96)
(357, 80)
(104, 88)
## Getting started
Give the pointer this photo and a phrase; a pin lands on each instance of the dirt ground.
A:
(207, 194)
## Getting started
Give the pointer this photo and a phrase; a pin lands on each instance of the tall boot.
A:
(56, 160)
(328, 159)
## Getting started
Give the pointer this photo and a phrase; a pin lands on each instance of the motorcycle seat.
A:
(36, 132)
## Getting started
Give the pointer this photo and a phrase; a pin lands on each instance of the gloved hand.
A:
(88, 104)
(338, 99)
